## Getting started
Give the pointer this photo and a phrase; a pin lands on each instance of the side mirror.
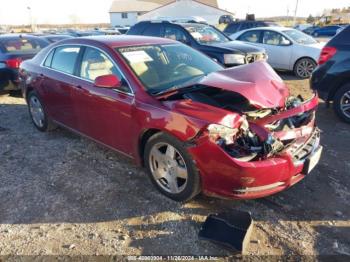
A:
(108, 81)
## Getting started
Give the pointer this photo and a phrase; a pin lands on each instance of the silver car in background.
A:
(287, 49)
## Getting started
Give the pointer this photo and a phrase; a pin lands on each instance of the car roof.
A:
(271, 28)
(17, 36)
(120, 40)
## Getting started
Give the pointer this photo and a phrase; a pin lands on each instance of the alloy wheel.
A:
(37, 111)
(305, 68)
(168, 168)
(345, 104)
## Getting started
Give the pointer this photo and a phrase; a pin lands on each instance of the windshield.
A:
(300, 37)
(206, 34)
(162, 67)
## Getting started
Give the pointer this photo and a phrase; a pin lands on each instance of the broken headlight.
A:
(242, 143)
(220, 132)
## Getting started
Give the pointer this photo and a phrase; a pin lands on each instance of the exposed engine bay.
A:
(243, 144)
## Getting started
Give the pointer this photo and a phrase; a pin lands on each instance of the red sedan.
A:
(194, 125)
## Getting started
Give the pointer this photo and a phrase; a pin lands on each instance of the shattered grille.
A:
(307, 148)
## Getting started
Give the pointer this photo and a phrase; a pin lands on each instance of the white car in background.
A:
(287, 49)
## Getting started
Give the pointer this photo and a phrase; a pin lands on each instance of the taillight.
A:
(13, 63)
(327, 53)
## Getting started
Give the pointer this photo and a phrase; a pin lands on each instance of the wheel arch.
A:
(28, 89)
(143, 138)
(336, 87)
(309, 57)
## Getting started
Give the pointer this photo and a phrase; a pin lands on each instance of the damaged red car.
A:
(195, 126)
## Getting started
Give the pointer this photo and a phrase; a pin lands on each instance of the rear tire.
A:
(38, 114)
(173, 173)
(341, 103)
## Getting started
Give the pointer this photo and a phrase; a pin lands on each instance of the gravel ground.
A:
(61, 194)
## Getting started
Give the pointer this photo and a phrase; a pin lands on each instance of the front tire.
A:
(341, 103)
(304, 67)
(38, 114)
(171, 168)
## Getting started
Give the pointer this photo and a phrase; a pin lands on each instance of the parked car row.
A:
(204, 38)
(287, 49)
(316, 31)
(13, 50)
(194, 125)
(196, 122)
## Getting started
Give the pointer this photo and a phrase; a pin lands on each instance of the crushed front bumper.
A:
(224, 176)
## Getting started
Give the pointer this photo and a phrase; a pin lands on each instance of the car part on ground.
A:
(196, 126)
(230, 230)
(287, 49)
(332, 76)
(204, 38)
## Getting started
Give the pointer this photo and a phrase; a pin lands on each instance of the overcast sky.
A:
(94, 11)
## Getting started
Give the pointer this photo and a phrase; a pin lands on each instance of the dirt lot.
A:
(64, 195)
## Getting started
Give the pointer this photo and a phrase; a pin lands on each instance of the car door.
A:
(104, 114)
(58, 82)
(279, 49)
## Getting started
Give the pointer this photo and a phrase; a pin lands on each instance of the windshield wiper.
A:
(187, 84)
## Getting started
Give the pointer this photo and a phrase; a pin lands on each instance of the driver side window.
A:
(175, 34)
(95, 63)
(274, 38)
(251, 36)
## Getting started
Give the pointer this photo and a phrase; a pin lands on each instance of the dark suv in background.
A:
(204, 38)
(13, 50)
(237, 26)
(332, 76)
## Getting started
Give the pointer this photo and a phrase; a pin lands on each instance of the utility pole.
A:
(30, 18)
(295, 13)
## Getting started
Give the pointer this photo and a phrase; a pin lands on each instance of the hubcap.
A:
(36, 111)
(305, 68)
(168, 168)
(345, 104)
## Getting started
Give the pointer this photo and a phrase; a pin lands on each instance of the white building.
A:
(128, 12)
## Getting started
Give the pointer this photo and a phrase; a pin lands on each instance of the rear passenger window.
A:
(65, 58)
(48, 60)
(152, 30)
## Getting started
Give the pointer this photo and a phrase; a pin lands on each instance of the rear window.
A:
(22, 45)
(342, 38)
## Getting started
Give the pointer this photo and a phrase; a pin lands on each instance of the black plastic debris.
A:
(231, 230)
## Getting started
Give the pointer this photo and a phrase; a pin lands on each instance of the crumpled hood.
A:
(257, 82)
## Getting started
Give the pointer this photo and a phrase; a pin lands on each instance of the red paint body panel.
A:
(119, 120)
